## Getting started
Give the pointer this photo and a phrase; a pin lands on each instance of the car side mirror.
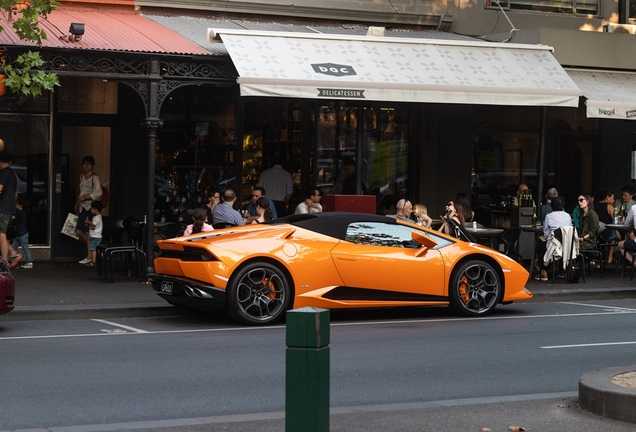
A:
(423, 240)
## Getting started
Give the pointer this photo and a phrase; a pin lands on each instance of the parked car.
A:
(7, 288)
(332, 260)
(39, 187)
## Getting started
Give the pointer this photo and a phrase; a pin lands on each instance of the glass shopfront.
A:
(202, 148)
(24, 134)
(375, 134)
(196, 151)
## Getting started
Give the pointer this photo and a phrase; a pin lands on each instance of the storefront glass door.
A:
(375, 135)
(76, 143)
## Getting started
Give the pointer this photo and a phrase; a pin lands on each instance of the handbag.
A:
(69, 226)
(573, 268)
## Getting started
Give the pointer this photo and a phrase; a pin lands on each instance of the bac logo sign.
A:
(333, 69)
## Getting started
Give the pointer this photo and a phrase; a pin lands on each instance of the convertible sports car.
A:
(332, 260)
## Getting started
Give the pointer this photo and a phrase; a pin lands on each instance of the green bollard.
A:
(307, 371)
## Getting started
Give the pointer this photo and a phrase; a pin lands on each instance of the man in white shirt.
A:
(279, 186)
(311, 203)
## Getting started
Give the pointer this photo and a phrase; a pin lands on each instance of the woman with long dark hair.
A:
(264, 212)
(463, 200)
(606, 215)
(454, 211)
(588, 221)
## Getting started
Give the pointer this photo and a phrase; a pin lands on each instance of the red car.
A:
(7, 288)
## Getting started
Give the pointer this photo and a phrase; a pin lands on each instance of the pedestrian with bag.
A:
(90, 189)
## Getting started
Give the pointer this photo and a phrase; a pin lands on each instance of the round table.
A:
(490, 233)
(619, 227)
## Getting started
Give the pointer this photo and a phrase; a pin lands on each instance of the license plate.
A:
(166, 287)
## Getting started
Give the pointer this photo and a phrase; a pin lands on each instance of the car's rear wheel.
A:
(475, 288)
(258, 294)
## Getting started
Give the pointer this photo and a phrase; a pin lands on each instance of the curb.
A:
(30, 313)
(559, 295)
(600, 396)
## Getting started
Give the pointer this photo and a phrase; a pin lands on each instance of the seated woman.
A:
(588, 221)
(456, 213)
(200, 223)
(463, 200)
(553, 221)
(606, 215)
(263, 211)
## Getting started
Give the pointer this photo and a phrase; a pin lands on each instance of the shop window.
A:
(196, 151)
(272, 133)
(385, 154)
(578, 7)
(25, 137)
(87, 96)
(383, 150)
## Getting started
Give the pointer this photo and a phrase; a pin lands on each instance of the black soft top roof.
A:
(333, 224)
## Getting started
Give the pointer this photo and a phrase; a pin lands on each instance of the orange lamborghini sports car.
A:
(335, 261)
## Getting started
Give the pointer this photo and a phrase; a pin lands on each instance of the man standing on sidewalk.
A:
(8, 187)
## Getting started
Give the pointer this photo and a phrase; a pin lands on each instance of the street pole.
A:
(307, 371)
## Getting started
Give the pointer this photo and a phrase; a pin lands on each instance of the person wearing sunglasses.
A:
(454, 211)
(588, 222)
(403, 210)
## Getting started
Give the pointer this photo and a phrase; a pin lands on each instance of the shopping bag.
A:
(69, 226)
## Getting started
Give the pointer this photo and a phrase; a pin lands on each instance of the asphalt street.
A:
(397, 370)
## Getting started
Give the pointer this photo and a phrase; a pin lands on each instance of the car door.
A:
(376, 256)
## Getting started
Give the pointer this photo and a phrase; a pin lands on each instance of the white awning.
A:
(319, 66)
(608, 94)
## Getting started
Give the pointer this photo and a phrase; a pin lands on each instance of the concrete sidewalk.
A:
(68, 290)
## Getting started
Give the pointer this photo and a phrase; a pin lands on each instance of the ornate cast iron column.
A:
(152, 124)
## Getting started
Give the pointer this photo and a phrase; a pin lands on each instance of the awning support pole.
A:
(152, 124)
(539, 199)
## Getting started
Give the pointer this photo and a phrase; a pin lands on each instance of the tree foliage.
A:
(26, 76)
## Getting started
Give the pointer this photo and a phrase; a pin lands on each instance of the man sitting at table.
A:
(224, 213)
(403, 208)
(545, 207)
(553, 221)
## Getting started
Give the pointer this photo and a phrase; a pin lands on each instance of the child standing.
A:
(95, 228)
(21, 233)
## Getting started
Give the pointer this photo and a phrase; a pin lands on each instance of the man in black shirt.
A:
(8, 188)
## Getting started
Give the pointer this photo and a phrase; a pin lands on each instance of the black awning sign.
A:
(342, 93)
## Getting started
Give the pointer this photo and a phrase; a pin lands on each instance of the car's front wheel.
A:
(475, 288)
(258, 293)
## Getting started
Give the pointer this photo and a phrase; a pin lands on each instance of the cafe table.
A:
(538, 232)
(490, 233)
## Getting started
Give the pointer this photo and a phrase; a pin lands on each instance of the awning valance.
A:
(608, 94)
(319, 66)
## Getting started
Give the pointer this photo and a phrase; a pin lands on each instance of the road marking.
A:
(133, 329)
(612, 308)
(589, 345)
(346, 324)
